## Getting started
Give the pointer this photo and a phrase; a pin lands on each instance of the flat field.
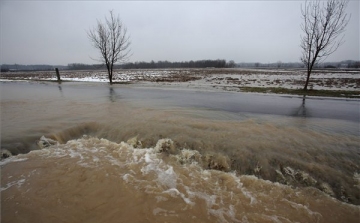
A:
(234, 79)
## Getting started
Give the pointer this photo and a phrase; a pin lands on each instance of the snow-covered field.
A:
(222, 79)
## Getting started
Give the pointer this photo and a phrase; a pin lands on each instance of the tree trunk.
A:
(111, 75)
(109, 72)
(307, 80)
(57, 74)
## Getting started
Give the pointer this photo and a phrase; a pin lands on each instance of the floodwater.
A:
(129, 154)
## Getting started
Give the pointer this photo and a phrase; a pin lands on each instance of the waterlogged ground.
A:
(90, 152)
(210, 78)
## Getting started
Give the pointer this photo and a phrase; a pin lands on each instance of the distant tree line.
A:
(20, 67)
(211, 63)
(184, 64)
(352, 64)
(341, 64)
(81, 66)
(166, 64)
(278, 64)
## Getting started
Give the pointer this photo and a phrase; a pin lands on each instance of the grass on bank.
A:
(321, 93)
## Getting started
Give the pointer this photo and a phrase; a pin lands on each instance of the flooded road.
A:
(176, 155)
(313, 107)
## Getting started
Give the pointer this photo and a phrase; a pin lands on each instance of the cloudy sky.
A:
(47, 32)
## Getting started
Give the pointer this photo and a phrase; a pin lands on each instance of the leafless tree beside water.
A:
(323, 23)
(111, 38)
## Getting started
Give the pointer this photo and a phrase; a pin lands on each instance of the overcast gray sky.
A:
(47, 32)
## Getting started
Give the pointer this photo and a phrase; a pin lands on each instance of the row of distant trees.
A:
(279, 64)
(354, 64)
(17, 67)
(81, 66)
(184, 64)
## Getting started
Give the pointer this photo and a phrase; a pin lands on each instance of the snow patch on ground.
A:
(222, 79)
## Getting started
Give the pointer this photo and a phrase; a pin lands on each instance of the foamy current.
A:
(96, 180)
(94, 153)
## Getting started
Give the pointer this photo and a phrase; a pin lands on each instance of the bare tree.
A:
(111, 38)
(322, 24)
(231, 64)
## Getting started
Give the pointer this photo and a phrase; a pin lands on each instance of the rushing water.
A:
(130, 154)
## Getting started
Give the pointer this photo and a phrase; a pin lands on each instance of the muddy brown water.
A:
(130, 154)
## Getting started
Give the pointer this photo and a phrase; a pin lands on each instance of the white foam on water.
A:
(160, 199)
(222, 212)
(12, 159)
(173, 192)
(170, 178)
(303, 208)
(13, 183)
(160, 211)
(167, 178)
(162, 179)
(356, 178)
